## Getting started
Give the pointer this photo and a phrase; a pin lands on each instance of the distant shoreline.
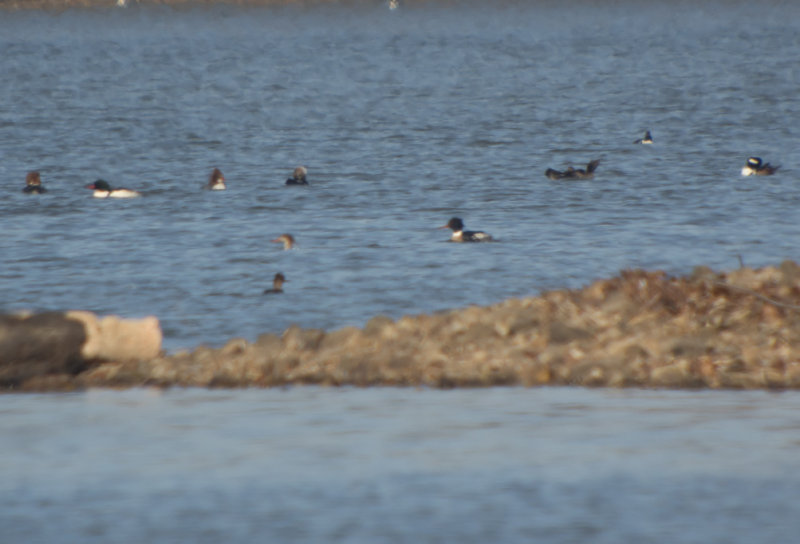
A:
(60, 5)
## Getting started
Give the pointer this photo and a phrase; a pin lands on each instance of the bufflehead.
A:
(216, 182)
(574, 173)
(755, 167)
(277, 285)
(286, 239)
(298, 176)
(646, 139)
(460, 235)
(33, 184)
(103, 190)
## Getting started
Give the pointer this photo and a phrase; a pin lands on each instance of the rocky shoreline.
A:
(735, 330)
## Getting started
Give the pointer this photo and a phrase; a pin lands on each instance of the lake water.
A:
(550, 465)
(404, 118)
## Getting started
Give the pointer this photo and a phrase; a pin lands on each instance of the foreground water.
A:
(404, 119)
(400, 465)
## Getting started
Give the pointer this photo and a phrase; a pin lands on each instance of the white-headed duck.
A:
(298, 176)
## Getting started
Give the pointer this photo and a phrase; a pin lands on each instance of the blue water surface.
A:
(554, 465)
(404, 119)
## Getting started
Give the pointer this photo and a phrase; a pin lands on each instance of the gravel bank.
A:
(739, 329)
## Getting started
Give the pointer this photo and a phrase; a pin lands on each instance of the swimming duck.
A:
(216, 182)
(103, 190)
(460, 235)
(33, 184)
(646, 139)
(574, 173)
(755, 167)
(277, 285)
(287, 239)
(298, 176)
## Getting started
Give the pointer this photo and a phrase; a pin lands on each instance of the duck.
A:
(646, 139)
(756, 167)
(574, 173)
(277, 285)
(103, 190)
(460, 235)
(298, 176)
(286, 239)
(33, 184)
(216, 182)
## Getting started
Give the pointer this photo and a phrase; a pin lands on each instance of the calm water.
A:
(400, 465)
(404, 119)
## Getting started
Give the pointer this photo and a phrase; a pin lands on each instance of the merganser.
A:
(298, 176)
(755, 167)
(574, 173)
(103, 190)
(461, 235)
(646, 139)
(277, 285)
(287, 239)
(33, 184)
(216, 182)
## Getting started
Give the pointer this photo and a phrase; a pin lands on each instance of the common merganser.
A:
(286, 239)
(33, 184)
(298, 176)
(277, 285)
(755, 167)
(216, 182)
(103, 190)
(461, 235)
(574, 173)
(646, 139)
